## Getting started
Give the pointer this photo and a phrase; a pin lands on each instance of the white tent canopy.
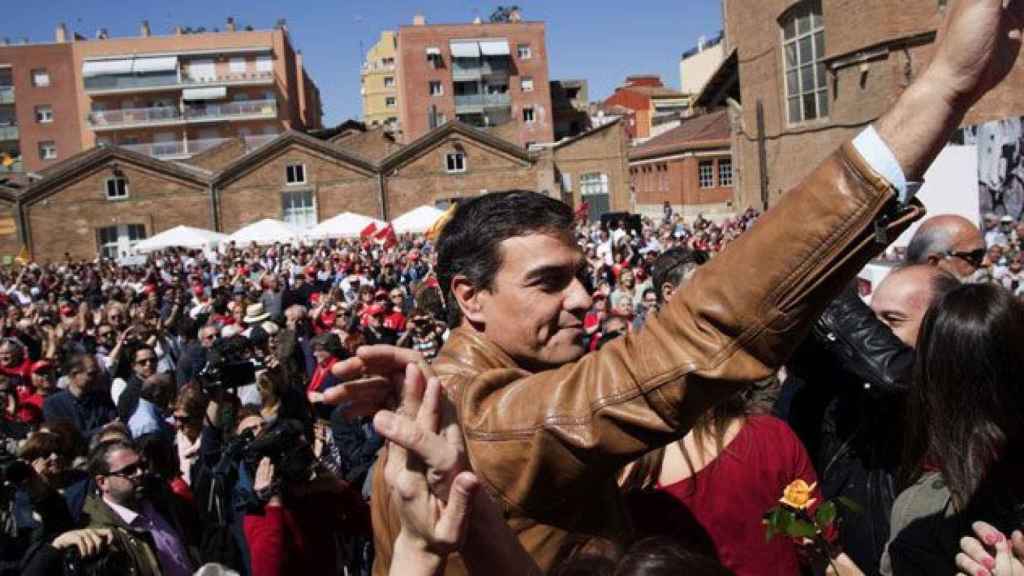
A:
(181, 237)
(417, 220)
(267, 231)
(344, 225)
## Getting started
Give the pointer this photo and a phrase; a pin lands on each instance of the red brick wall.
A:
(675, 180)
(415, 73)
(68, 221)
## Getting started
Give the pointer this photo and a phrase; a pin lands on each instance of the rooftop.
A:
(709, 130)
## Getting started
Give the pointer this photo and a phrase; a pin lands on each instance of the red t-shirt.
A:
(729, 497)
(395, 321)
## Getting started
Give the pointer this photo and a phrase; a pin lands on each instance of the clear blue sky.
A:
(598, 40)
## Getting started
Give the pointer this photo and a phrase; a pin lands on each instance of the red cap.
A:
(149, 288)
(67, 310)
(374, 310)
(310, 270)
(197, 290)
(40, 366)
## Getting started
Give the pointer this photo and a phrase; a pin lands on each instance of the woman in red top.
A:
(721, 478)
(32, 396)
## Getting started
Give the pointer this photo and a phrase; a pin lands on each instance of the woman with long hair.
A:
(964, 422)
(710, 489)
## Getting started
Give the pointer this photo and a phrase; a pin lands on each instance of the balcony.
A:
(464, 69)
(480, 101)
(168, 115)
(6, 94)
(182, 149)
(120, 84)
(8, 133)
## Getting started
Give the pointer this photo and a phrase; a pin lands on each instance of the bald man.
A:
(902, 299)
(950, 242)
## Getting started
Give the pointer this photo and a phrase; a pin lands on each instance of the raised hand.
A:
(990, 553)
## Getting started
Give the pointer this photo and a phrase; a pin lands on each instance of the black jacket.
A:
(846, 397)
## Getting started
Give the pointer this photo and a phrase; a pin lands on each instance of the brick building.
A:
(482, 74)
(652, 103)
(823, 70)
(690, 167)
(107, 198)
(169, 96)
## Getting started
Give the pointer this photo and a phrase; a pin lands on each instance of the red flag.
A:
(387, 236)
(369, 231)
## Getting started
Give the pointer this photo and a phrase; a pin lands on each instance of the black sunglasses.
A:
(129, 471)
(975, 257)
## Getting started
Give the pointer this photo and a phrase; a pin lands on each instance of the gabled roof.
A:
(440, 134)
(70, 168)
(374, 144)
(251, 160)
(8, 194)
(711, 130)
(588, 133)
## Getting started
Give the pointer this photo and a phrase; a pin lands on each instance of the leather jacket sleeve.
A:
(540, 440)
(863, 346)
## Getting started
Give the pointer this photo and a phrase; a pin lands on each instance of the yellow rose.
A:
(798, 495)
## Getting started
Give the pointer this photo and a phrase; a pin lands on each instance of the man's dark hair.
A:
(672, 267)
(927, 241)
(470, 243)
(99, 464)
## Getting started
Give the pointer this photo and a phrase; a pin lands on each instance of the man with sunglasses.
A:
(950, 242)
(146, 519)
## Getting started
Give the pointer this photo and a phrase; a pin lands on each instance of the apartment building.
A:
(490, 75)
(380, 82)
(653, 104)
(169, 97)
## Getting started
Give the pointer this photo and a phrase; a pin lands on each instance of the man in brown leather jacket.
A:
(545, 428)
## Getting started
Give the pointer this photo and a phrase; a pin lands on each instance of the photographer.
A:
(141, 513)
(423, 335)
(302, 508)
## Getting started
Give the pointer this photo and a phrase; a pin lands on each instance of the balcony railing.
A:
(6, 94)
(470, 69)
(110, 119)
(228, 110)
(179, 149)
(8, 132)
(116, 83)
(483, 100)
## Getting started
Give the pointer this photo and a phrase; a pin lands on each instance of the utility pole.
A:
(762, 155)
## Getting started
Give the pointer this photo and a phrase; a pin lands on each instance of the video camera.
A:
(286, 447)
(229, 365)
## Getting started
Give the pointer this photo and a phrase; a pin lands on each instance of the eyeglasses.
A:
(975, 257)
(147, 360)
(130, 471)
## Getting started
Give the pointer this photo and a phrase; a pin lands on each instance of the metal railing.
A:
(178, 149)
(470, 69)
(127, 116)
(8, 132)
(143, 81)
(264, 108)
(6, 94)
(483, 100)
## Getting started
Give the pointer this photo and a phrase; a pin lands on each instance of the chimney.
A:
(144, 30)
(178, 31)
(102, 34)
(419, 19)
(60, 35)
(515, 15)
(282, 24)
(230, 27)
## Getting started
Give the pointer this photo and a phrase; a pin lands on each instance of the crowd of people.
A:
(523, 392)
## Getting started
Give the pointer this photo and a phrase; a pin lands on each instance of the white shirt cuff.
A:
(879, 156)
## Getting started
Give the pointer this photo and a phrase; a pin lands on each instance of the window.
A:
(389, 81)
(298, 208)
(528, 115)
(725, 172)
(238, 65)
(47, 150)
(441, 119)
(40, 77)
(205, 69)
(295, 174)
(524, 52)
(44, 114)
(526, 83)
(118, 240)
(264, 64)
(706, 173)
(593, 183)
(117, 188)
(389, 61)
(456, 162)
(436, 89)
(803, 47)
(434, 56)
(390, 101)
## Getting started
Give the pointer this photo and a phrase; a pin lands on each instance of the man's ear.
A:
(934, 259)
(467, 297)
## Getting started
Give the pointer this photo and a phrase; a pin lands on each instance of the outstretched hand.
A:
(372, 379)
(978, 46)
